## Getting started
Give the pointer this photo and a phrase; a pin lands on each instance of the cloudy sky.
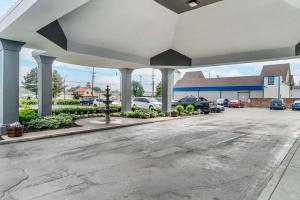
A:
(79, 75)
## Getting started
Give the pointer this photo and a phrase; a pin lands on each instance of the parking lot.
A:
(227, 156)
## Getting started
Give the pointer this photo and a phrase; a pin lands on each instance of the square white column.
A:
(44, 84)
(9, 82)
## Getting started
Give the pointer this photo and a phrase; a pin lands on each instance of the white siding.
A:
(295, 93)
(271, 91)
(285, 90)
(256, 94)
(214, 95)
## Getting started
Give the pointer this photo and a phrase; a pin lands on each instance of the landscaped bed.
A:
(65, 117)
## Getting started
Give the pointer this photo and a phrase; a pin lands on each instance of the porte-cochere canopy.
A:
(131, 33)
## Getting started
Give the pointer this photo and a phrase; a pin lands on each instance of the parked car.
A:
(200, 104)
(87, 101)
(296, 105)
(100, 102)
(236, 104)
(223, 102)
(146, 102)
(215, 108)
(277, 104)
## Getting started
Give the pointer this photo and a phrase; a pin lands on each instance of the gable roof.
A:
(226, 81)
(282, 70)
(193, 75)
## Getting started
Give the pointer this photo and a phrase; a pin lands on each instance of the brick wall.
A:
(264, 103)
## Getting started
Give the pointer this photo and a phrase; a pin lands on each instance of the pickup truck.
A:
(200, 104)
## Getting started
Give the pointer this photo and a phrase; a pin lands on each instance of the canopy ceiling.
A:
(130, 33)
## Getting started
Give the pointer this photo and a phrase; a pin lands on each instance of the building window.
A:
(271, 80)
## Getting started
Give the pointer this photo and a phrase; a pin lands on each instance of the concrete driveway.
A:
(229, 156)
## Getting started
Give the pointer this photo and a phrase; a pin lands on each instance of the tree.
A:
(57, 84)
(137, 89)
(158, 92)
(73, 89)
(30, 81)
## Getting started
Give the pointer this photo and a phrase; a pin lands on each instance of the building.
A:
(85, 92)
(296, 92)
(275, 81)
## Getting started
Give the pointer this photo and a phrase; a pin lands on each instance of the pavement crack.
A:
(4, 193)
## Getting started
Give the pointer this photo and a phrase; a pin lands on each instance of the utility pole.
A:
(153, 77)
(93, 79)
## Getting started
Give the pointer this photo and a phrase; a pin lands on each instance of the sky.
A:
(79, 75)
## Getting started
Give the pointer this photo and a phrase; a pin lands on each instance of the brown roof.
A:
(226, 81)
(277, 70)
(193, 75)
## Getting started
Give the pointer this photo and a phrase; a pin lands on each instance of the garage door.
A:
(244, 96)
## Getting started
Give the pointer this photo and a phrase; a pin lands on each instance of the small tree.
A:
(57, 84)
(30, 81)
(137, 89)
(158, 92)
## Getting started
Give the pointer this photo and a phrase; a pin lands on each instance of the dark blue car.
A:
(296, 105)
(277, 104)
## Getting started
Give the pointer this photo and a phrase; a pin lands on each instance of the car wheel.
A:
(206, 112)
(198, 109)
(150, 107)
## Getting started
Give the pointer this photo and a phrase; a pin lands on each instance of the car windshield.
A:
(234, 101)
(277, 101)
(220, 100)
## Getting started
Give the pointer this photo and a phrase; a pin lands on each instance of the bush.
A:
(27, 102)
(144, 113)
(76, 111)
(190, 109)
(117, 114)
(52, 122)
(180, 109)
(68, 102)
(27, 115)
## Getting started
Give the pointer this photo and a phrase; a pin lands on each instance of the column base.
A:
(2, 129)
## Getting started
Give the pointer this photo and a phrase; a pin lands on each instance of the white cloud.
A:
(112, 81)
(24, 70)
(146, 74)
(26, 54)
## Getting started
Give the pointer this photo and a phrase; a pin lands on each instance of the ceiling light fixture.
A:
(193, 3)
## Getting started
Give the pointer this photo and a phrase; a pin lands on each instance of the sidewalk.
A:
(285, 184)
(87, 125)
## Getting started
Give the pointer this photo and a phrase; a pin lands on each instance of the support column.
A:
(167, 87)
(9, 82)
(126, 89)
(44, 83)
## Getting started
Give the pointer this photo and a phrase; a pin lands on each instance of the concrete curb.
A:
(271, 187)
(18, 140)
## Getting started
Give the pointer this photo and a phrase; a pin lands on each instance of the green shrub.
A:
(117, 114)
(116, 108)
(180, 109)
(76, 111)
(68, 102)
(27, 115)
(190, 109)
(27, 102)
(161, 114)
(51, 122)
(135, 108)
(144, 113)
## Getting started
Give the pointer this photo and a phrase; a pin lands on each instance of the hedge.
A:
(68, 102)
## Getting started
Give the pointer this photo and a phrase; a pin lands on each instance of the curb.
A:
(274, 181)
(19, 140)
